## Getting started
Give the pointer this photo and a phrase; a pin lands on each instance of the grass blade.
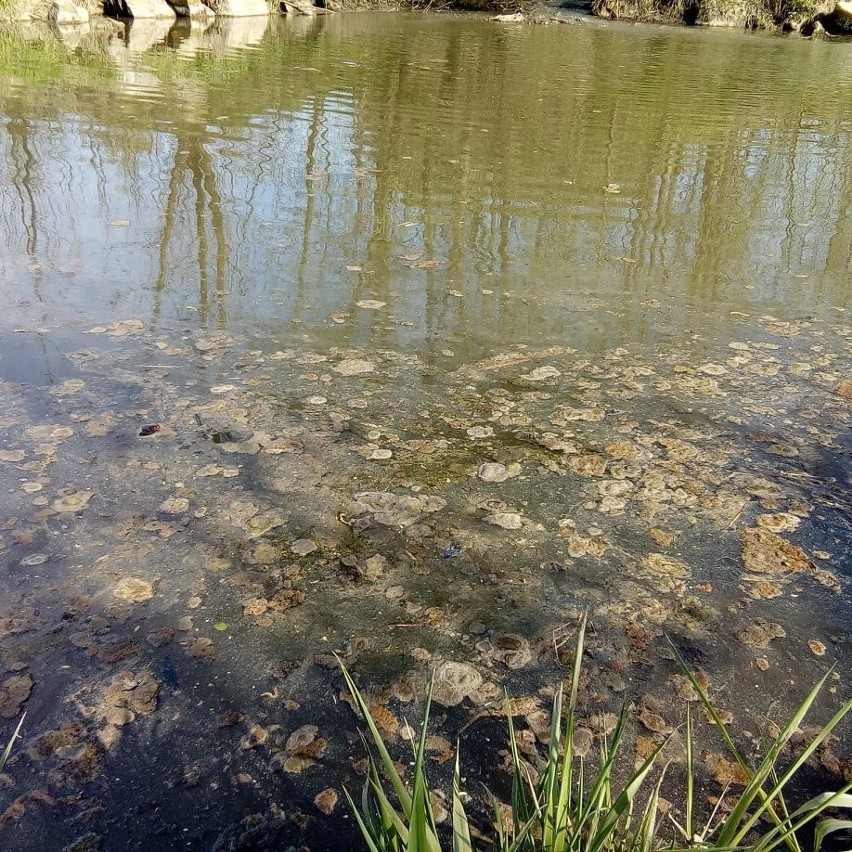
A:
(11, 744)
(397, 783)
(422, 832)
(522, 809)
(774, 794)
(732, 832)
(623, 802)
(461, 826)
(558, 810)
(804, 814)
(690, 778)
(392, 823)
(362, 826)
(829, 826)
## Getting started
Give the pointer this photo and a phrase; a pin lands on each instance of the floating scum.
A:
(204, 519)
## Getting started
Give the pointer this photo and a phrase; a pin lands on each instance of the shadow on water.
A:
(33, 360)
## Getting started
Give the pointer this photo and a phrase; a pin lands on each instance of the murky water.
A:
(408, 338)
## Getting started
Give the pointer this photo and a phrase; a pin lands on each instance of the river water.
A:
(410, 338)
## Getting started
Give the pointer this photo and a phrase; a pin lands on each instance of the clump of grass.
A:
(572, 808)
(763, 801)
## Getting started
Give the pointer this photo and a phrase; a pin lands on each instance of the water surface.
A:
(410, 338)
(436, 155)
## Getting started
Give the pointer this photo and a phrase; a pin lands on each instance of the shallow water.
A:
(408, 338)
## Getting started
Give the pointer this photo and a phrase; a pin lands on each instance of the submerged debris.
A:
(289, 506)
(14, 691)
(133, 589)
(505, 520)
(455, 681)
(391, 510)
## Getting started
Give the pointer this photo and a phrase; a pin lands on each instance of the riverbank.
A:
(809, 17)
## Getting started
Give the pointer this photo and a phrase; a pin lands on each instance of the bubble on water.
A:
(390, 509)
(255, 606)
(174, 506)
(201, 648)
(540, 374)
(763, 552)
(326, 800)
(817, 647)
(479, 432)
(303, 546)
(492, 472)
(454, 681)
(14, 692)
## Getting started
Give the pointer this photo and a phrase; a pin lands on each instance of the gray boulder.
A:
(139, 9)
(839, 20)
(298, 7)
(836, 22)
(64, 12)
(194, 9)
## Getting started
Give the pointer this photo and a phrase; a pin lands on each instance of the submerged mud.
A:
(197, 523)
